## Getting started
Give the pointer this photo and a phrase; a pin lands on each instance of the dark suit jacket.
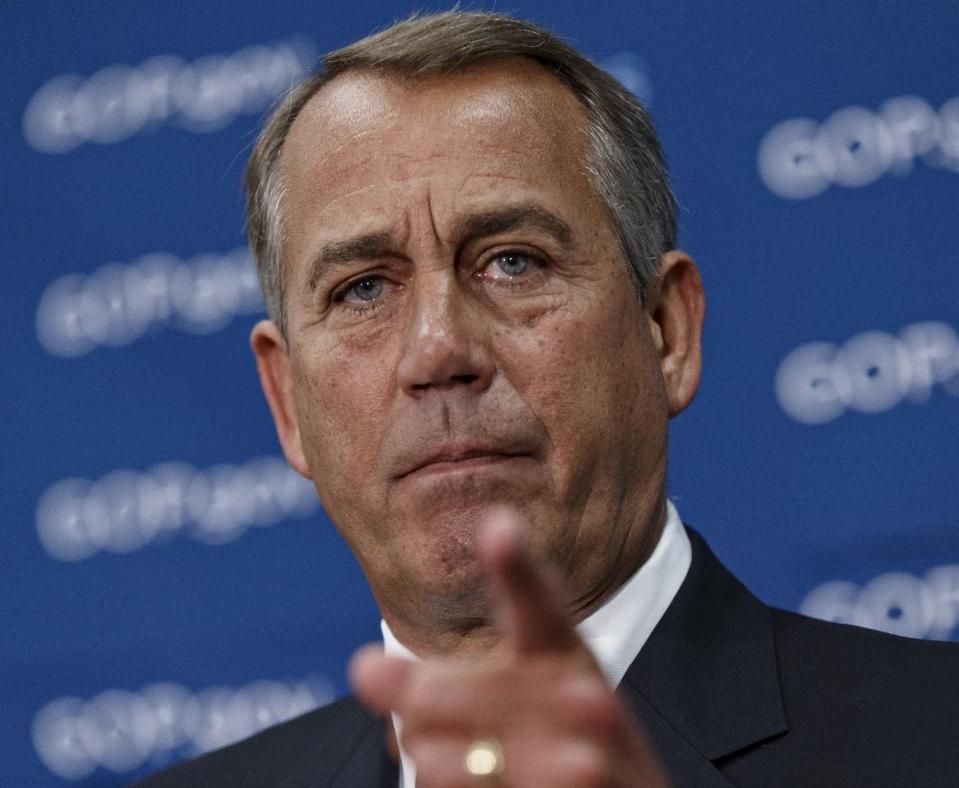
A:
(730, 692)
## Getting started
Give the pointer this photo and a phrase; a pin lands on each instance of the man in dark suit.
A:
(479, 329)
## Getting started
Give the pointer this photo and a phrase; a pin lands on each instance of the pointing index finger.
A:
(529, 606)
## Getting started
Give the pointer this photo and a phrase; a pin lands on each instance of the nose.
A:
(445, 344)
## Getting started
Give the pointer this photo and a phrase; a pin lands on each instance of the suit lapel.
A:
(369, 765)
(706, 683)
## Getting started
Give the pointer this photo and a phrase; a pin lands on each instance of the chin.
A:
(445, 569)
(461, 606)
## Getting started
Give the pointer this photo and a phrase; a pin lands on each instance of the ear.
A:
(276, 378)
(676, 307)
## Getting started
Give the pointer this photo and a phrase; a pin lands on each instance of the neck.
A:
(635, 550)
(446, 631)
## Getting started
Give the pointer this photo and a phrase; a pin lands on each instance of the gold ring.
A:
(484, 761)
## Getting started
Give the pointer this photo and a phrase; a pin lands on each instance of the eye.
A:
(362, 291)
(508, 265)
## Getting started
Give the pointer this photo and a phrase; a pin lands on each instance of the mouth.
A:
(462, 460)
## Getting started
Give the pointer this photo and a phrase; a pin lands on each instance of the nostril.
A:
(464, 378)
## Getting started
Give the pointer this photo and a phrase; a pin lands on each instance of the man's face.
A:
(462, 333)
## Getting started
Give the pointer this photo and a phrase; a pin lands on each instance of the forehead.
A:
(506, 120)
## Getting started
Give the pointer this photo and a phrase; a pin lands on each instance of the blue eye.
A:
(513, 264)
(366, 289)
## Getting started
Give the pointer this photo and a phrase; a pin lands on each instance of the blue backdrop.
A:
(168, 585)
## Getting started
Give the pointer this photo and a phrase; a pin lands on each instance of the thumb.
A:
(379, 681)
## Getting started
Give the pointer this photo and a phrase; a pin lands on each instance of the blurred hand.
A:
(540, 695)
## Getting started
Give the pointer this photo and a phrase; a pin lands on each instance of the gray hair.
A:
(625, 163)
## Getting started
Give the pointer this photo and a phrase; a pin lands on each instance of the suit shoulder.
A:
(294, 752)
(794, 630)
(862, 708)
(853, 670)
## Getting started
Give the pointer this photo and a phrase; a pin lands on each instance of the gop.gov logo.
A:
(120, 731)
(119, 303)
(119, 101)
(871, 372)
(126, 509)
(896, 602)
(800, 158)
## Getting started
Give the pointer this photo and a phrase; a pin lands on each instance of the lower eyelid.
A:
(534, 271)
(360, 310)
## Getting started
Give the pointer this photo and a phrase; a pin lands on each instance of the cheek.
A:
(338, 415)
(592, 378)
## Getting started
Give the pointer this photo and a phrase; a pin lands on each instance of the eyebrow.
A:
(505, 219)
(371, 246)
(363, 247)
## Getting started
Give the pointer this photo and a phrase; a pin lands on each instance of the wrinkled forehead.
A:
(505, 105)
